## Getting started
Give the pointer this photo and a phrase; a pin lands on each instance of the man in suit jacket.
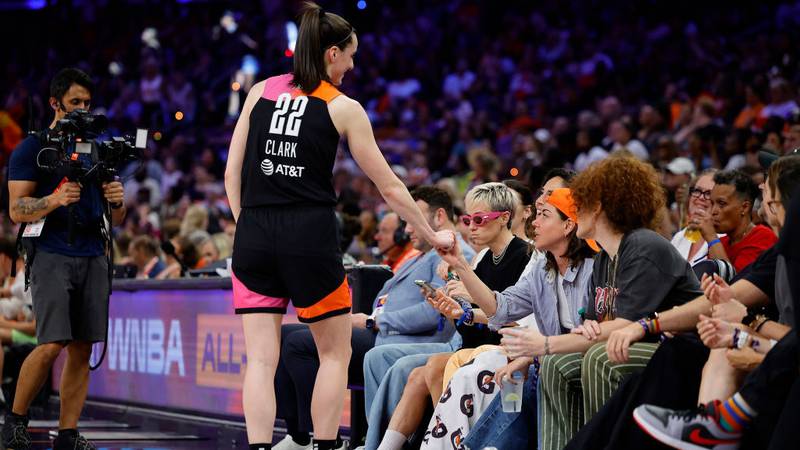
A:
(400, 315)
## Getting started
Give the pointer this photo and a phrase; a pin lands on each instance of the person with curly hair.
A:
(637, 273)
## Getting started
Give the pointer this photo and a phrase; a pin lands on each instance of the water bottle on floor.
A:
(511, 393)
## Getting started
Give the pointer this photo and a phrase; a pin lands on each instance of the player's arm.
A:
(233, 168)
(352, 122)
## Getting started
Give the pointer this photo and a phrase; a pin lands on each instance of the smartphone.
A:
(429, 289)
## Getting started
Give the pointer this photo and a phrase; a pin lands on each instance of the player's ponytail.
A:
(319, 31)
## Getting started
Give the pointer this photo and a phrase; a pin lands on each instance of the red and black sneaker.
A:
(697, 429)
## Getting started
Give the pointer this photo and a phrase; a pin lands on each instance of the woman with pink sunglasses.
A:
(490, 209)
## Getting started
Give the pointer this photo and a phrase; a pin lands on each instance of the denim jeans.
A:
(386, 371)
(507, 431)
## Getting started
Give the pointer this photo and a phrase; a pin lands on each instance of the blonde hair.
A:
(196, 218)
(498, 196)
(223, 243)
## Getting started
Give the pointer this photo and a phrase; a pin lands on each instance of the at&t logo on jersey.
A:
(267, 167)
(286, 170)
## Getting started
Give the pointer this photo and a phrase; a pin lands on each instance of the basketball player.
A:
(279, 184)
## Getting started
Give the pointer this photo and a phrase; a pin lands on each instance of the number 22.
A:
(292, 123)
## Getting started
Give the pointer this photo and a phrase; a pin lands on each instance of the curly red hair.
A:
(628, 190)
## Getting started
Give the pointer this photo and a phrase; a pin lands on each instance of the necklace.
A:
(497, 258)
(746, 232)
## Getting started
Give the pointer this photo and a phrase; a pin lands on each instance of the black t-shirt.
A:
(761, 272)
(650, 276)
(88, 211)
(497, 277)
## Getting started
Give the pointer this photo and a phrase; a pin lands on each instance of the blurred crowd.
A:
(459, 93)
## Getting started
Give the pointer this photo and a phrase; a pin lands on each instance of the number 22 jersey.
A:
(291, 147)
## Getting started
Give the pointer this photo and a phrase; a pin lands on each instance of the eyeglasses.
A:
(697, 193)
(480, 218)
(771, 205)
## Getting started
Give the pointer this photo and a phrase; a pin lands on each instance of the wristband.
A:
(714, 242)
(655, 326)
(741, 339)
(735, 337)
(643, 323)
(116, 205)
(468, 318)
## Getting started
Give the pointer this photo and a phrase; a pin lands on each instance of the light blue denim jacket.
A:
(536, 293)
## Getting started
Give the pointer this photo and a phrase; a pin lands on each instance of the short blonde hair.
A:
(498, 196)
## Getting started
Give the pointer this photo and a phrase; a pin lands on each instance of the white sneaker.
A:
(345, 445)
(288, 444)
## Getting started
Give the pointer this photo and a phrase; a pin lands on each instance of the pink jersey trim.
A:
(275, 86)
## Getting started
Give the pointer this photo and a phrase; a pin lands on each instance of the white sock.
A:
(392, 440)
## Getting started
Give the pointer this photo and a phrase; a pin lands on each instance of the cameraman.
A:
(69, 274)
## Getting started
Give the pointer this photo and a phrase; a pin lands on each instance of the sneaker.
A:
(15, 433)
(77, 442)
(697, 429)
(288, 444)
(345, 445)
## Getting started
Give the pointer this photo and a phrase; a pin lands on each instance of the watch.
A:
(370, 323)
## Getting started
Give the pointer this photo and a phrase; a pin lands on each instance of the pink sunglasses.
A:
(480, 218)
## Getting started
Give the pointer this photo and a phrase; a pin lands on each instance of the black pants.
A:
(671, 380)
(297, 371)
(785, 435)
(766, 389)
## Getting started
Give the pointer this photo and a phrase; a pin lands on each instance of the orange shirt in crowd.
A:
(408, 253)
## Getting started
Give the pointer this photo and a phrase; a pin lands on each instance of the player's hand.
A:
(444, 240)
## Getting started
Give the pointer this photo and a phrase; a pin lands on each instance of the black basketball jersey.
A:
(291, 147)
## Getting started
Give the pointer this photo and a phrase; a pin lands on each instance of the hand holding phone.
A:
(427, 287)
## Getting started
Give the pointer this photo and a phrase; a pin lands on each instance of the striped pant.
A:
(572, 387)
